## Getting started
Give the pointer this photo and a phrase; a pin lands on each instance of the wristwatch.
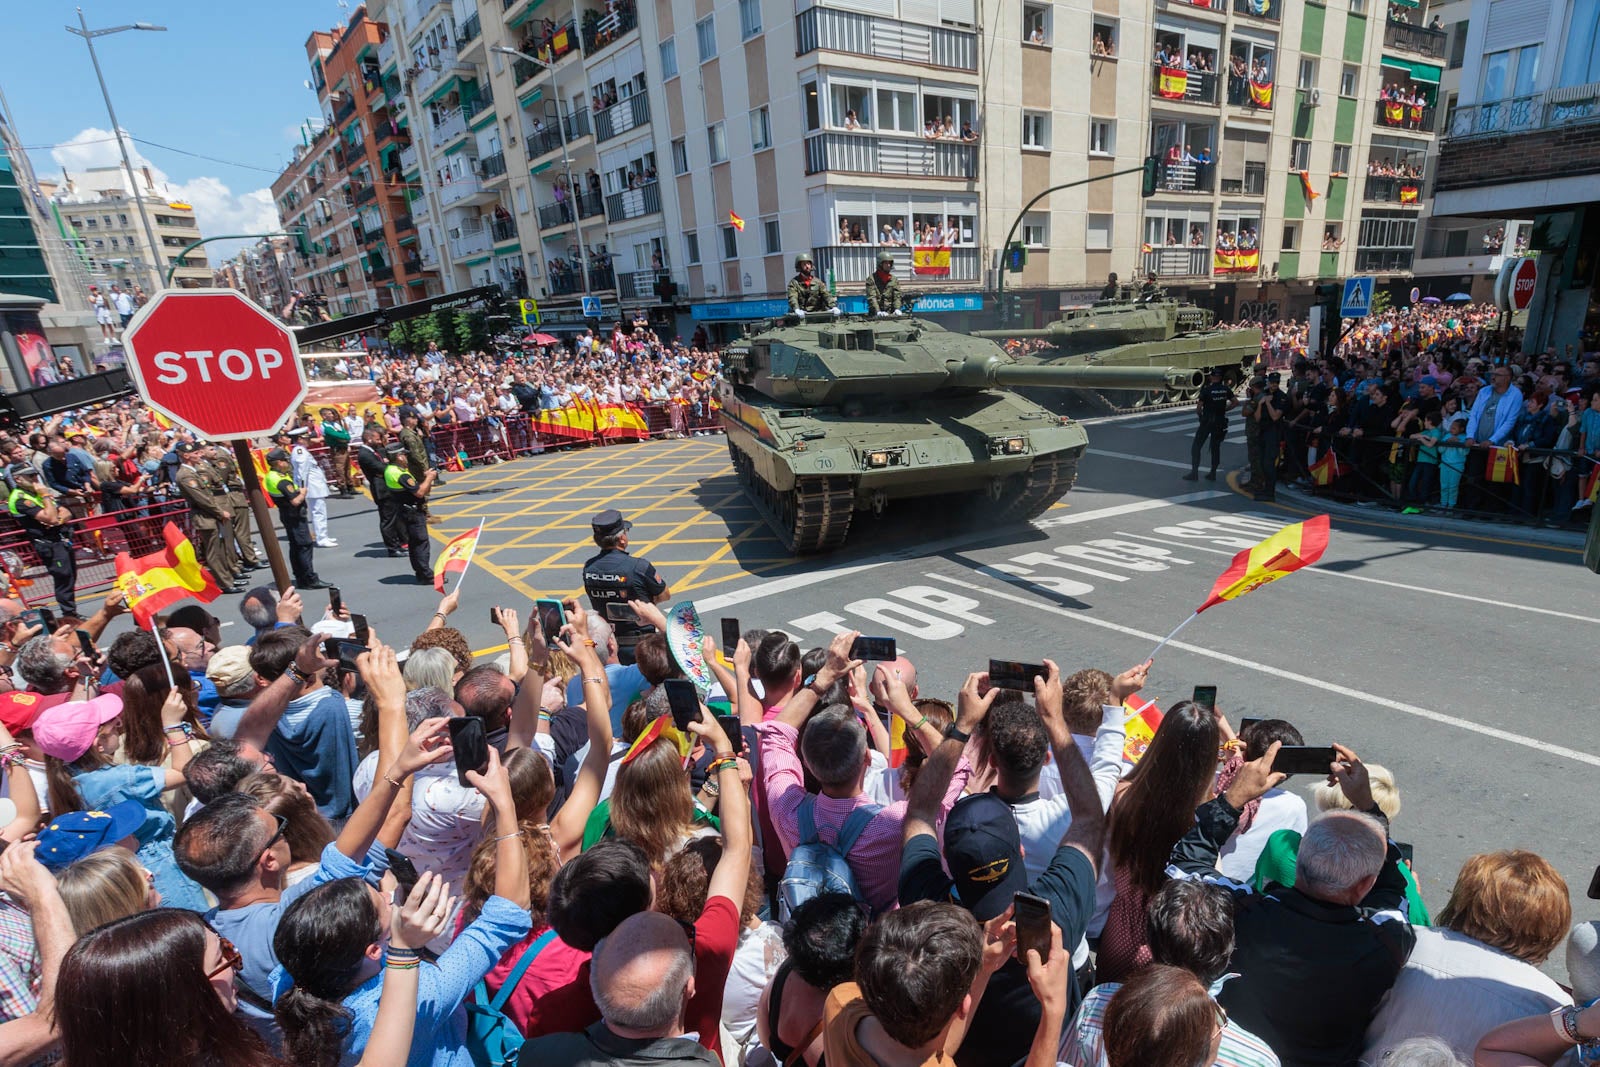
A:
(951, 732)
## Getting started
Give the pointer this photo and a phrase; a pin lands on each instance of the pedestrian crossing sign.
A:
(1357, 300)
(591, 306)
(530, 312)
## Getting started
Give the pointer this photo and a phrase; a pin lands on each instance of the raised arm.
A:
(926, 799)
(567, 826)
(261, 717)
(424, 915)
(23, 878)
(510, 858)
(428, 744)
(19, 786)
(732, 873)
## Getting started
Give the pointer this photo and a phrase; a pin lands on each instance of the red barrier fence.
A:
(96, 540)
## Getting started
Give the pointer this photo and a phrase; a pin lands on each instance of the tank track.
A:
(814, 516)
(1031, 494)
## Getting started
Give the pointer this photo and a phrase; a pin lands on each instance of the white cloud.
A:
(217, 208)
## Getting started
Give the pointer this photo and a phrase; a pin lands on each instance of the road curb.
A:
(1433, 523)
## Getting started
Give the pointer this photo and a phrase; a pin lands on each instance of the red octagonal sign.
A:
(1523, 280)
(215, 362)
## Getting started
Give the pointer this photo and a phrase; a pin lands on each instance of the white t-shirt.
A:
(41, 785)
(755, 961)
(446, 819)
(1280, 810)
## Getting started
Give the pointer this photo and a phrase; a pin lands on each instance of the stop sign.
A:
(1522, 283)
(214, 362)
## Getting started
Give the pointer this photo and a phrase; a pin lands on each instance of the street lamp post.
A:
(566, 163)
(88, 35)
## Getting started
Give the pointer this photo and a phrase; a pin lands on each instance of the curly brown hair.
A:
(451, 640)
(686, 878)
(1083, 695)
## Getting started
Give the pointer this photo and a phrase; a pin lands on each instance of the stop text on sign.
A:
(232, 364)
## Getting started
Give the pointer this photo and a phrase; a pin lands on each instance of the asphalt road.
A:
(1461, 663)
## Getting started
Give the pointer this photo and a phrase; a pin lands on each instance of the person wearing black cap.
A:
(210, 516)
(291, 501)
(409, 497)
(416, 446)
(614, 577)
(370, 458)
(43, 522)
(1271, 412)
(1215, 401)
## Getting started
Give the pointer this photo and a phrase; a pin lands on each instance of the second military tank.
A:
(1139, 329)
(830, 415)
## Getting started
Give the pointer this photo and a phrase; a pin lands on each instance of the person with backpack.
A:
(837, 840)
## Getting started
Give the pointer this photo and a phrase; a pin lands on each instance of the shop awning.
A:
(1406, 3)
(1417, 72)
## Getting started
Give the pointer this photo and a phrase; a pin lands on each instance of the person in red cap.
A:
(18, 711)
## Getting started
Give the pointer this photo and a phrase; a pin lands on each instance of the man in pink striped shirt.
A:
(834, 748)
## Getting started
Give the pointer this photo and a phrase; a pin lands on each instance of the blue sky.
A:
(225, 80)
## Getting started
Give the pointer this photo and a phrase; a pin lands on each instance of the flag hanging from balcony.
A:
(1173, 83)
(1416, 114)
(736, 222)
(930, 262)
(1261, 93)
(1246, 260)
(1408, 194)
(1224, 260)
(1305, 185)
(1394, 112)
(1146, 248)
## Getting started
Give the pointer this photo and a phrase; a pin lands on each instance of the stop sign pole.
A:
(221, 366)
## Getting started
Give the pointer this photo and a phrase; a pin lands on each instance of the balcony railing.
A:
(622, 18)
(393, 89)
(447, 129)
(438, 68)
(634, 203)
(563, 282)
(602, 278)
(408, 157)
(403, 222)
(492, 166)
(363, 194)
(470, 244)
(588, 205)
(386, 52)
(1398, 115)
(622, 116)
(346, 106)
(1524, 114)
(381, 273)
(852, 263)
(553, 45)
(1383, 260)
(420, 211)
(1428, 42)
(1384, 190)
(549, 138)
(640, 284)
(906, 157)
(413, 265)
(1259, 9)
(524, 69)
(469, 30)
(1185, 262)
(503, 230)
(459, 189)
(1186, 177)
(475, 107)
(1257, 96)
(835, 30)
(1254, 182)
(1183, 86)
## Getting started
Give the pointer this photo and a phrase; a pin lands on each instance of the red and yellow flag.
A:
(456, 556)
(1503, 466)
(1328, 469)
(930, 261)
(736, 222)
(1143, 719)
(1173, 83)
(1408, 194)
(1305, 185)
(1261, 94)
(150, 583)
(1285, 552)
(1394, 112)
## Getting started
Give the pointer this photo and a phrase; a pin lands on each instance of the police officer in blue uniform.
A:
(290, 499)
(43, 522)
(1216, 400)
(613, 577)
(410, 498)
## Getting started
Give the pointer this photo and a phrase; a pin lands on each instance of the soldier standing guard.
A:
(242, 529)
(883, 291)
(209, 514)
(807, 293)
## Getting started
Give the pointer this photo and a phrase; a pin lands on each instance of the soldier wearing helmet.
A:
(807, 293)
(883, 291)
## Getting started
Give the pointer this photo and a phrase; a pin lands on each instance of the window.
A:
(1242, 163)
(749, 19)
(705, 32)
(1291, 236)
(680, 156)
(730, 242)
(1105, 37)
(1299, 155)
(951, 112)
(1178, 228)
(1252, 69)
(122, 220)
(897, 110)
(1387, 230)
(717, 141)
(1580, 63)
(760, 129)
(669, 58)
(691, 248)
(522, 199)
(1349, 78)
(1097, 235)
(1341, 159)
(1238, 246)
(813, 110)
(1308, 74)
(1102, 137)
(1458, 45)
(115, 244)
(771, 239)
(1036, 229)
(1035, 129)
(1188, 154)
(1358, 7)
(850, 106)
(1036, 24)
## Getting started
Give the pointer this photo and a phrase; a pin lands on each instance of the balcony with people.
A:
(607, 26)
(565, 206)
(1405, 29)
(1237, 251)
(934, 248)
(1183, 73)
(890, 129)
(616, 114)
(1177, 245)
(1394, 176)
(1405, 105)
(548, 40)
(545, 134)
(1251, 66)
(1187, 158)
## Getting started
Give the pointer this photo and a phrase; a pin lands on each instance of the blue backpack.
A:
(815, 868)
(493, 1040)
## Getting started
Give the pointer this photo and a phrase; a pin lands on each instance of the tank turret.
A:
(826, 417)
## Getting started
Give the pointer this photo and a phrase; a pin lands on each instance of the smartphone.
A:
(494, 616)
(1032, 916)
(335, 601)
(1304, 759)
(86, 645)
(1206, 697)
(470, 744)
(1012, 674)
(730, 635)
(880, 649)
(552, 617)
(734, 729)
(1594, 885)
(684, 700)
(359, 622)
(1407, 852)
(32, 617)
(619, 611)
(404, 871)
(344, 650)
(49, 619)
(1245, 724)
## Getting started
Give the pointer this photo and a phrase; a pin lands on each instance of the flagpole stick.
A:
(165, 660)
(1174, 633)
(467, 566)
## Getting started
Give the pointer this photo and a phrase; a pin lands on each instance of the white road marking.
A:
(1278, 672)
(1326, 573)
(1174, 464)
(1140, 420)
(800, 581)
(1188, 425)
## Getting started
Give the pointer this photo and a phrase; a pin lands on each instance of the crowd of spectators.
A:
(256, 854)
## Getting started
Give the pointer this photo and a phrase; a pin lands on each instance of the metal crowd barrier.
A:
(96, 540)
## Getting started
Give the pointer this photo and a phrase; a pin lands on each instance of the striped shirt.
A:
(1083, 1043)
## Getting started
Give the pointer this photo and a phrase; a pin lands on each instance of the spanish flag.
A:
(150, 583)
(1394, 112)
(736, 222)
(931, 262)
(1305, 185)
(1285, 552)
(1173, 84)
(662, 727)
(1408, 194)
(1224, 261)
(1246, 260)
(1143, 719)
(1261, 94)
(1328, 469)
(1503, 467)
(456, 557)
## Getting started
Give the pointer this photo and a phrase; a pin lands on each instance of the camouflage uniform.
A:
(809, 294)
(882, 295)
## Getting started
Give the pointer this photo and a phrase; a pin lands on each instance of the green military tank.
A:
(827, 416)
(1140, 328)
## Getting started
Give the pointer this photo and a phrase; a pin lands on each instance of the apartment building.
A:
(264, 272)
(1523, 140)
(101, 205)
(344, 185)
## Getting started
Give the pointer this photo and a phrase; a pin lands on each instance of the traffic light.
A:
(1152, 174)
(1016, 257)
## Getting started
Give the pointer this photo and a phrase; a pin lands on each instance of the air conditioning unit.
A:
(1314, 97)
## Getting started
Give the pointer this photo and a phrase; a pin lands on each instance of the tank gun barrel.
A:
(993, 371)
(1048, 333)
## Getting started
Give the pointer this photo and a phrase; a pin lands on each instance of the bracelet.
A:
(711, 788)
(398, 785)
(507, 837)
(175, 744)
(181, 727)
(403, 955)
(594, 681)
(922, 723)
(720, 764)
(403, 965)
(589, 642)
(297, 676)
(544, 716)
(440, 615)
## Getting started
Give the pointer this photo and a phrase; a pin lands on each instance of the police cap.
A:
(277, 455)
(608, 522)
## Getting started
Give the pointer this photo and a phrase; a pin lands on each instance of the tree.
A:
(1381, 301)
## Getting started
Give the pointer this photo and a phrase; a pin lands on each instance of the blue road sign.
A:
(591, 304)
(1357, 301)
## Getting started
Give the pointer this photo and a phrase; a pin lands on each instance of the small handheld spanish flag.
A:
(155, 581)
(1502, 466)
(737, 222)
(456, 557)
(1328, 469)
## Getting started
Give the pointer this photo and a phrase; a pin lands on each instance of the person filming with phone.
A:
(613, 578)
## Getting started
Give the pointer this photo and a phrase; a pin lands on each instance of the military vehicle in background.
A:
(1138, 328)
(829, 415)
